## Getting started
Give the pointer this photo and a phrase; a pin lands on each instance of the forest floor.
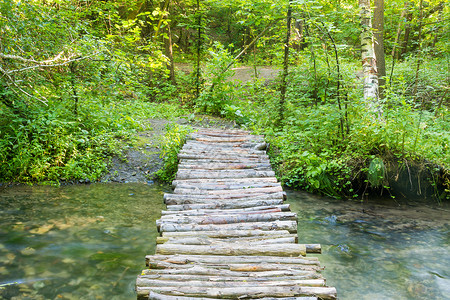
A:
(143, 159)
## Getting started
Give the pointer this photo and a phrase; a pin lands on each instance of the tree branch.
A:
(44, 63)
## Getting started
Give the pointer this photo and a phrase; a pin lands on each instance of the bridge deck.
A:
(226, 232)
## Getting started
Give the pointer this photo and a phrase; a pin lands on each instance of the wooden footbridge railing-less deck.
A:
(226, 232)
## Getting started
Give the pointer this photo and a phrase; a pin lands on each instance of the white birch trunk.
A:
(369, 60)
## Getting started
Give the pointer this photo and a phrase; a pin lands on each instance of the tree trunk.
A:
(419, 54)
(369, 60)
(169, 54)
(199, 45)
(378, 26)
(399, 32)
(285, 65)
(409, 16)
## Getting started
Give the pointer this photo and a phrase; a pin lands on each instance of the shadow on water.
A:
(89, 242)
(378, 251)
(76, 242)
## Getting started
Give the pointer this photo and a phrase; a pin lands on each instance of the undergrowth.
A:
(171, 144)
(347, 152)
(51, 144)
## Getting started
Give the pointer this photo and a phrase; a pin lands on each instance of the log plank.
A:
(290, 226)
(230, 204)
(233, 249)
(195, 212)
(156, 296)
(215, 259)
(325, 293)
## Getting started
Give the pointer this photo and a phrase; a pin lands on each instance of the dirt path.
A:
(241, 73)
(140, 162)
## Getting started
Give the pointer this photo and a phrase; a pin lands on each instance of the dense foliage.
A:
(79, 77)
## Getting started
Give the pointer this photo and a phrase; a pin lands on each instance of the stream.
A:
(89, 242)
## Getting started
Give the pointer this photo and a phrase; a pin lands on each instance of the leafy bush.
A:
(218, 90)
(171, 145)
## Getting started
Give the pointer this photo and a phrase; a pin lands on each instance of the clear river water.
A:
(89, 242)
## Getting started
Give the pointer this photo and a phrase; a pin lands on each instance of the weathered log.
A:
(199, 240)
(197, 149)
(223, 133)
(154, 274)
(291, 226)
(194, 174)
(156, 296)
(243, 138)
(226, 233)
(233, 249)
(214, 132)
(231, 204)
(142, 281)
(238, 158)
(199, 212)
(313, 248)
(174, 199)
(221, 149)
(201, 270)
(248, 181)
(260, 146)
(250, 292)
(246, 217)
(224, 166)
(216, 259)
(251, 190)
(237, 145)
(231, 216)
(225, 153)
(229, 186)
(240, 267)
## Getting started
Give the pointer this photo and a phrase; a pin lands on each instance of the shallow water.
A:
(381, 252)
(89, 242)
(76, 242)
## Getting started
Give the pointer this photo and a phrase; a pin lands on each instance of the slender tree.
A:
(378, 26)
(285, 63)
(369, 59)
(419, 56)
(199, 46)
(399, 32)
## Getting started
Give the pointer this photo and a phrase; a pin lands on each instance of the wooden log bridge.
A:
(226, 233)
